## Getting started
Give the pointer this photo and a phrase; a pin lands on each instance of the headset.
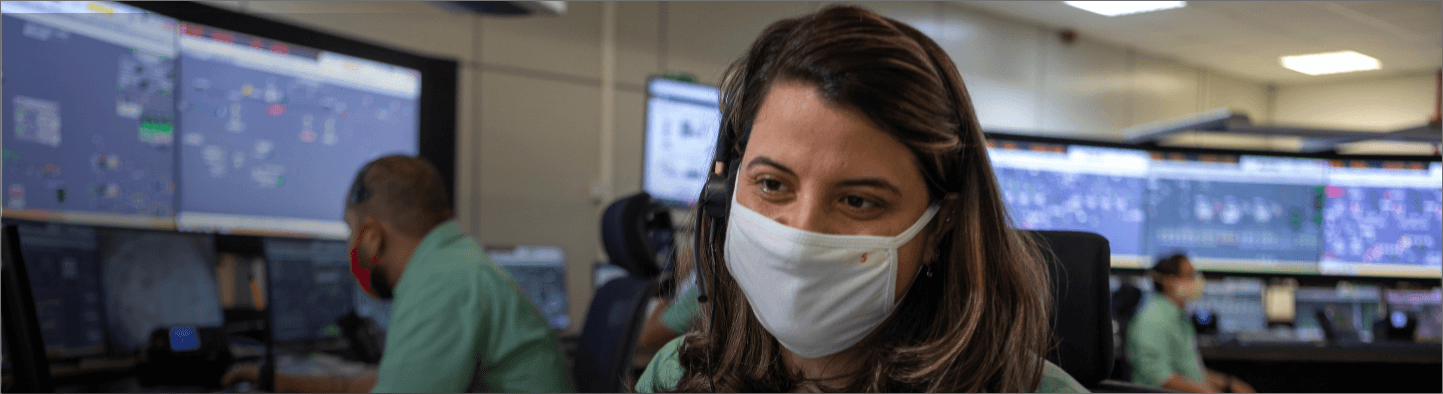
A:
(715, 203)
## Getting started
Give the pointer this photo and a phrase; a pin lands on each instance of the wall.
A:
(533, 167)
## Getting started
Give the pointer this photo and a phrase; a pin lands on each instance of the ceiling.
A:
(1246, 38)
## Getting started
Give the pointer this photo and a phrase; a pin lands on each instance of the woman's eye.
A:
(771, 185)
(858, 202)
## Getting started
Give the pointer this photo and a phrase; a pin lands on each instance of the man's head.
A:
(1175, 276)
(393, 203)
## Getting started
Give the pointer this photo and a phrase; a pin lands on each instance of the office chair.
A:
(1082, 321)
(23, 341)
(618, 309)
(627, 230)
(608, 340)
(1124, 306)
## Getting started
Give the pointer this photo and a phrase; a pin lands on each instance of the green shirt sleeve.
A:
(678, 316)
(431, 346)
(1056, 380)
(664, 371)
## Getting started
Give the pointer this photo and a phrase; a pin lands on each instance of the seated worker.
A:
(674, 317)
(866, 245)
(459, 322)
(1161, 340)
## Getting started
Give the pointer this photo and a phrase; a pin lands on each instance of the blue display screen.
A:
(88, 115)
(1074, 188)
(1247, 212)
(286, 128)
(1378, 213)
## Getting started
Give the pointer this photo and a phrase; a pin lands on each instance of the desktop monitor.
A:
(1383, 218)
(1075, 188)
(272, 133)
(153, 280)
(541, 272)
(1425, 305)
(310, 285)
(88, 114)
(1239, 213)
(63, 264)
(682, 120)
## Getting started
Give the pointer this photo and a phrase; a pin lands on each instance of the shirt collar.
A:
(1166, 307)
(438, 238)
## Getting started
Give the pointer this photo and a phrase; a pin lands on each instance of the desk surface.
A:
(1396, 353)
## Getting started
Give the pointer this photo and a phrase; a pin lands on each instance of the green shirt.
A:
(1161, 341)
(665, 371)
(679, 314)
(460, 323)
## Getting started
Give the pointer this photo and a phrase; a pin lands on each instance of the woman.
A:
(866, 246)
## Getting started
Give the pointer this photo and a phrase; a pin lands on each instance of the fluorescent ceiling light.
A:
(1331, 63)
(1115, 8)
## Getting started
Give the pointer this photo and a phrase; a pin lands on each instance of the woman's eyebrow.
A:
(767, 161)
(871, 182)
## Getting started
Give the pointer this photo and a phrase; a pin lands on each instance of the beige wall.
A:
(530, 157)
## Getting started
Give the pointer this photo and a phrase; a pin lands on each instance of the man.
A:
(459, 322)
(1161, 341)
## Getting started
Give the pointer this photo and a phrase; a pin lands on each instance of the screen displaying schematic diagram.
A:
(1075, 188)
(541, 273)
(682, 120)
(1237, 213)
(274, 133)
(1383, 219)
(88, 114)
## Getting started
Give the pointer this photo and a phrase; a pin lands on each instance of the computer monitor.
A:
(1239, 213)
(155, 279)
(88, 114)
(1426, 306)
(310, 285)
(682, 121)
(1075, 188)
(541, 272)
(273, 133)
(1383, 218)
(64, 273)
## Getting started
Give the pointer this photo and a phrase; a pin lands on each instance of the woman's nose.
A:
(806, 213)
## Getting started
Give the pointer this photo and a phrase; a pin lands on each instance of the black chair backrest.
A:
(1079, 263)
(608, 340)
(626, 232)
(23, 342)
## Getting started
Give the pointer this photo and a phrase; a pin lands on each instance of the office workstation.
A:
(186, 184)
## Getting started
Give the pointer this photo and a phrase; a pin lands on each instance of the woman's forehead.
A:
(795, 127)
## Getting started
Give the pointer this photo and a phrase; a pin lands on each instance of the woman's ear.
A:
(940, 228)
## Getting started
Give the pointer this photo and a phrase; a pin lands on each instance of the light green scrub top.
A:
(680, 313)
(459, 322)
(1161, 341)
(665, 371)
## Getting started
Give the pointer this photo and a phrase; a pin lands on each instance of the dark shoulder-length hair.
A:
(980, 322)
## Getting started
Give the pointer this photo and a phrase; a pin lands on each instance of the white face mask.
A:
(1193, 291)
(818, 294)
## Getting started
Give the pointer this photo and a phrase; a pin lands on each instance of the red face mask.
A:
(362, 274)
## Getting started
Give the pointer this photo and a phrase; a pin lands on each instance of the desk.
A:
(1305, 367)
(1399, 353)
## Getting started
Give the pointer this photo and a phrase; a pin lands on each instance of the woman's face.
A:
(815, 167)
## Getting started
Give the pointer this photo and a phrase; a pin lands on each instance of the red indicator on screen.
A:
(276, 109)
